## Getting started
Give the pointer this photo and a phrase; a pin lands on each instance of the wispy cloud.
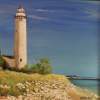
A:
(44, 10)
(93, 13)
(94, 2)
(37, 17)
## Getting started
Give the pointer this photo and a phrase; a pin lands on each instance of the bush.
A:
(2, 62)
(4, 90)
(42, 67)
(25, 69)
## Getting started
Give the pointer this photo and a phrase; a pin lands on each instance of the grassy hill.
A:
(40, 87)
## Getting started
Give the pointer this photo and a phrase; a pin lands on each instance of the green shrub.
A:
(4, 90)
(2, 62)
(42, 67)
(14, 91)
(25, 69)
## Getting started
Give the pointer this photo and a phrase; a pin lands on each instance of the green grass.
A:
(11, 77)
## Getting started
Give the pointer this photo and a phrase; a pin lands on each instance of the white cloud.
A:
(94, 2)
(37, 17)
(44, 10)
(93, 13)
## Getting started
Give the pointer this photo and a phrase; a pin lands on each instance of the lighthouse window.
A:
(20, 60)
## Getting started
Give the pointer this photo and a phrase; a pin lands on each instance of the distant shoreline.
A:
(82, 78)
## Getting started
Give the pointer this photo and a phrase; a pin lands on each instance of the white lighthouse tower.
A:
(20, 42)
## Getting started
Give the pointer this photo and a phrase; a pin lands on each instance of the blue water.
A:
(91, 85)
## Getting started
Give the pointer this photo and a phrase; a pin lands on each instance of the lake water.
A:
(92, 85)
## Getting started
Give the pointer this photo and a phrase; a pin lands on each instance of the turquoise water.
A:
(91, 85)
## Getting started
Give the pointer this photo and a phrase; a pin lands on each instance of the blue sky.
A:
(65, 31)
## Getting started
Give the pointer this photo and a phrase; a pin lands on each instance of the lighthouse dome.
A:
(20, 11)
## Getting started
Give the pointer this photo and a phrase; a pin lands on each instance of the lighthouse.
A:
(20, 38)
